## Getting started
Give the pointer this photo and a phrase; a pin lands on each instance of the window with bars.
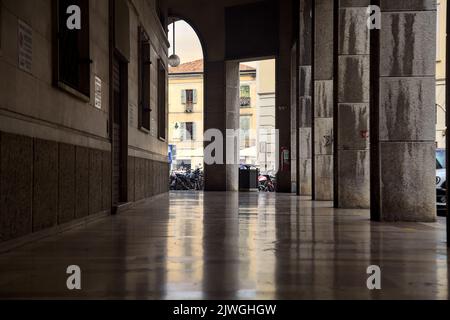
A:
(72, 55)
(162, 100)
(245, 96)
(144, 79)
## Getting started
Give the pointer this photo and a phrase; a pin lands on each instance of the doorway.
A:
(258, 139)
(119, 130)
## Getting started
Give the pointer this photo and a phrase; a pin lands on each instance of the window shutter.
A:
(194, 130)
(177, 131)
(146, 77)
(195, 96)
(183, 96)
(183, 131)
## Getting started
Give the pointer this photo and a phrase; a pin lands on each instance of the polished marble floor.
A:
(233, 246)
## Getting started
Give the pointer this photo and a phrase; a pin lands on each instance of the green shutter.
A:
(195, 96)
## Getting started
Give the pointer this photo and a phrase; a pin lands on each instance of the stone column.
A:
(283, 96)
(352, 178)
(323, 99)
(294, 118)
(222, 113)
(304, 133)
(403, 112)
(232, 109)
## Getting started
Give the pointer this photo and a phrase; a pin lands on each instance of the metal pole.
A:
(265, 155)
(173, 33)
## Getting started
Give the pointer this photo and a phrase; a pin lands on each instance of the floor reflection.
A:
(233, 246)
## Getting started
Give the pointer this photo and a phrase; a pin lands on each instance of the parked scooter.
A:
(266, 183)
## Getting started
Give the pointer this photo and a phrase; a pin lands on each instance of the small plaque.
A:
(98, 93)
(25, 46)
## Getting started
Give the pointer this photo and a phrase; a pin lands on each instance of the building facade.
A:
(82, 110)
(266, 116)
(440, 73)
(186, 112)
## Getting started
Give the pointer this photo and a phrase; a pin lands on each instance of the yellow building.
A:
(248, 116)
(266, 116)
(186, 114)
(440, 73)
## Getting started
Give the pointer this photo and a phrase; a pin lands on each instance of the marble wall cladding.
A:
(146, 178)
(305, 176)
(353, 165)
(305, 81)
(354, 35)
(82, 182)
(324, 43)
(354, 179)
(305, 120)
(324, 177)
(408, 55)
(412, 5)
(323, 157)
(323, 136)
(354, 78)
(305, 143)
(406, 149)
(323, 98)
(45, 184)
(95, 181)
(139, 178)
(106, 180)
(131, 178)
(353, 126)
(405, 109)
(305, 54)
(407, 173)
(354, 3)
(16, 186)
(66, 203)
(305, 112)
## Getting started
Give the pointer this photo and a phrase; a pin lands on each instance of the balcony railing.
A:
(245, 102)
(189, 107)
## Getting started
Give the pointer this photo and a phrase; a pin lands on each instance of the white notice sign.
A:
(98, 93)
(25, 46)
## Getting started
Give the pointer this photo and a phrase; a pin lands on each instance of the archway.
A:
(186, 107)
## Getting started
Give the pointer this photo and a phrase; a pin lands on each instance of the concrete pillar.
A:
(232, 109)
(222, 113)
(352, 177)
(304, 133)
(283, 96)
(323, 125)
(294, 118)
(403, 112)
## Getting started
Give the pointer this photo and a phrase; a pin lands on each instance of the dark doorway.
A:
(119, 130)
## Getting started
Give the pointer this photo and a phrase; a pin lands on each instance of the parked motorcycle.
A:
(189, 180)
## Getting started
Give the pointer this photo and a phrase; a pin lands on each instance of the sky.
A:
(187, 44)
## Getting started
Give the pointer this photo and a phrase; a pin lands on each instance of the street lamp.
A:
(174, 60)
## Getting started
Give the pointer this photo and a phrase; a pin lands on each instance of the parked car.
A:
(441, 182)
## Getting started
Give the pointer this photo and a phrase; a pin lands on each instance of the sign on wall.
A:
(25, 46)
(98, 93)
